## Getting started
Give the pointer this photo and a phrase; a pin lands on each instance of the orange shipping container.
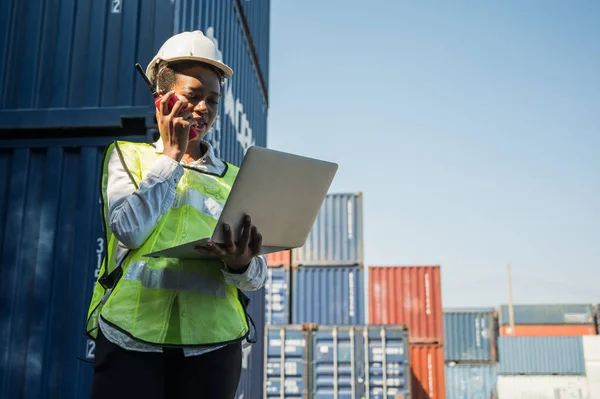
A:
(282, 258)
(554, 330)
(410, 295)
(427, 371)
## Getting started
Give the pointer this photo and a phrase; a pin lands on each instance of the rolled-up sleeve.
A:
(134, 211)
(252, 279)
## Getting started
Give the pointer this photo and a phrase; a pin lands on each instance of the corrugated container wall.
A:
(548, 314)
(336, 237)
(242, 120)
(328, 295)
(72, 63)
(251, 380)
(282, 258)
(470, 381)
(542, 387)
(591, 356)
(548, 330)
(540, 355)
(51, 248)
(277, 293)
(469, 336)
(410, 295)
(427, 368)
(349, 362)
(258, 16)
(286, 362)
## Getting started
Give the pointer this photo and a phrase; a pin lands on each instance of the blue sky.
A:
(472, 129)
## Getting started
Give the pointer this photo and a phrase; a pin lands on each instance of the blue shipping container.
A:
(469, 336)
(540, 355)
(471, 381)
(548, 314)
(51, 248)
(277, 290)
(286, 362)
(336, 237)
(71, 63)
(328, 295)
(251, 380)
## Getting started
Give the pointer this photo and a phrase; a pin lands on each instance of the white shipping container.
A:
(542, 387)
(591, 355)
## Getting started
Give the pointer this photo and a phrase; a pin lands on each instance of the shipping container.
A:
(349, 362)
(469, 336)
(386, 362)
(542, 387)
(410, 295)
(257, 16)
(548, 330)
(548, 314)
(591, 356)
(251, 380)
(51, 249)
(286, 362)
(470, 381)
(281, 258)
(71, 64)
(328, 295)
(427, 371)
(540, 355)
(277, 291)
(336, 237)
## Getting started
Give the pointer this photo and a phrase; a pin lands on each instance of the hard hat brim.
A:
(151, 69)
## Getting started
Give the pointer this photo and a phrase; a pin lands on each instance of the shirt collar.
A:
(208, 159)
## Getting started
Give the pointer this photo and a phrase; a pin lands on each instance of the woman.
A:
(171, 328)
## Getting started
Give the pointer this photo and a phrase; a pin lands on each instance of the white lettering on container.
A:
(427, 295)
(351, 294)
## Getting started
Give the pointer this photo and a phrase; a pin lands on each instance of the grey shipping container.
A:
(71, 63)
(471, 381)
(328, 295)
(251, 380)
(548, 314)
(336, 237)
(360, 361)
(286, 362)
(540, 355)
(277, 292)
(51, 248)
(469, 336)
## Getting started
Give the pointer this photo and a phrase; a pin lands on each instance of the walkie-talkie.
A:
(158, 98)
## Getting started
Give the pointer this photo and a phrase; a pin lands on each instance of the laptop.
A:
(281, 192)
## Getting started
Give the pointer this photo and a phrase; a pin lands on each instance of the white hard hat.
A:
(190, 46)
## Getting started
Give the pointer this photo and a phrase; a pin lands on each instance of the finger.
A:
(164, 103)
(229, 244)
(256, 243)
(176, 108)
(245, 235)
(217, 249)
(203, 250)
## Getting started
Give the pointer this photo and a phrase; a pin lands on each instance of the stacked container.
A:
(323, 362)
(591, 357)
(541, 367)
(548, 320)
(71, 65)
(412, 295)
(470, 353)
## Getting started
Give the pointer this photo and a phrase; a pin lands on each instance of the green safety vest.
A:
(168, 301)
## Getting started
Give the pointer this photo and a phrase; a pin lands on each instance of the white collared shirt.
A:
(134, 213)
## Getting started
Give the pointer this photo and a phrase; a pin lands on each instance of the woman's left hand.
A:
(237, 256)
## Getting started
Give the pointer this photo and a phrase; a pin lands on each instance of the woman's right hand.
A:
(174, 128)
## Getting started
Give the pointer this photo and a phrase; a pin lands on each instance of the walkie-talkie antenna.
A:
(150, 85)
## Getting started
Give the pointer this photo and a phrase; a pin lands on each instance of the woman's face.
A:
(202, 88)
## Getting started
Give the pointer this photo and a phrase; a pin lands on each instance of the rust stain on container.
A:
(427, 371)
(410, 295)
(546, 330)
(277, 259)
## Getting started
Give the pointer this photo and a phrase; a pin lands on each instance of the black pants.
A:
(119, 373)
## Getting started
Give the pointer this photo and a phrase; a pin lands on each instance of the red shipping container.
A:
(549, 330)
(410, 295)
(281, 258)
(427, 371)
